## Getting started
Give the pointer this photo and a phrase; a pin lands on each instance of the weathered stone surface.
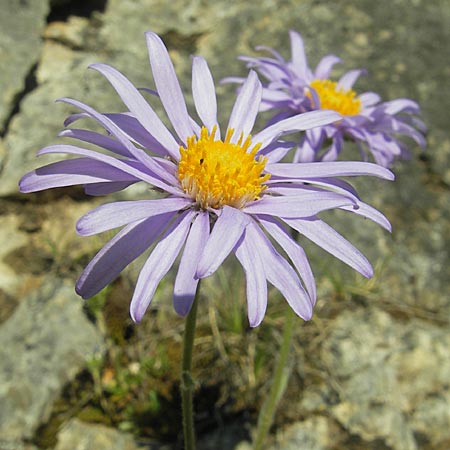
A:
(21, 26)
(388, 373)
(45, 343)
(315, 433)
(81, 436)
(11, 239)
(15, 445)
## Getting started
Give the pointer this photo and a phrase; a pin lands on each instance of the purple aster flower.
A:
(220, 193)
(292, 87)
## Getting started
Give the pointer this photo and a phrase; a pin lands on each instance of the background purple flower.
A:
(292, 87)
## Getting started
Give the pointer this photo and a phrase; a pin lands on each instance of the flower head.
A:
(292, 87)
(221, 193)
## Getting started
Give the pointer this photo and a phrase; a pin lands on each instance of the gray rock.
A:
(82, 436)
(11, 238)
(45, 343)
(21, 26)
(15, 445)
(385, 372)
(315, 433)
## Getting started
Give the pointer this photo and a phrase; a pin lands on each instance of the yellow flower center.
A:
(335, 98)
(217, 173)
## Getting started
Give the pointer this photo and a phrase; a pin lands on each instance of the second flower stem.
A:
(278, 386)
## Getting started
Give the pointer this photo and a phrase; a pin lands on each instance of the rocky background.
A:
(370, 371)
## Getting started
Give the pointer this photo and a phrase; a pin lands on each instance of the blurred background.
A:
(370, 371)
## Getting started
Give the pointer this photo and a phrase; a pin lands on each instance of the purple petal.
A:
(186, 283)
(97, 139)
(325, 65)
(371, 213)
(138, 154)
(299, 122)
(400, 105)
(347, 80)
(298, 56)
(139, 107)
(138, 134)
(295, 252)
(280, 274)
(369, 99)
(246, 107)
(110, 126)
(330, 240)
(71, 172)
(328, 169)
(117, 214)
(225, 234)
(114, 162)
(251, 262)
(158, 264)
(303, 204)
(98, 189)
(204, 93)
(120, 251)
(168, 87)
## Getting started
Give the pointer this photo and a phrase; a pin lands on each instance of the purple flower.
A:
(220, 194)
(292, 87)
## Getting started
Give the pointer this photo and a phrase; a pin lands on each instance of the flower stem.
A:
(187, 382)
(278, 386)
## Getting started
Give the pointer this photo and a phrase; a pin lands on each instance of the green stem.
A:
(279, 383)
(187, 382)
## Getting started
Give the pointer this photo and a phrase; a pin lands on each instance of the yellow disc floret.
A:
(333, 97)
(217, 173)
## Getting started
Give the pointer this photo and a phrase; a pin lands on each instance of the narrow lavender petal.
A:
(226, 232)
(325, 65)
(330, 240)
(97, 139)
(335, 148)
(274, 53)
(393, 107)
(299, 122)
(328, 169)
(246, 107)
(110, 126)
(139, 107)
(74, 117)
(371, 213)
(138, 134)
(186, 283)
(204, 93)
(71, 172)
(369, 99)
(116, 214)
(168, 86)
(298, 56)
(303, 204)
(280, 274)
(255, 277)
(277, 150)
(158, 264)
(294, 251)
(120, 251)
(98, 189)
(349, 78)
(313, 184)
(114, 162)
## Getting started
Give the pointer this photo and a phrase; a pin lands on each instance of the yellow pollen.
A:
(217, 173)
(335, 98)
